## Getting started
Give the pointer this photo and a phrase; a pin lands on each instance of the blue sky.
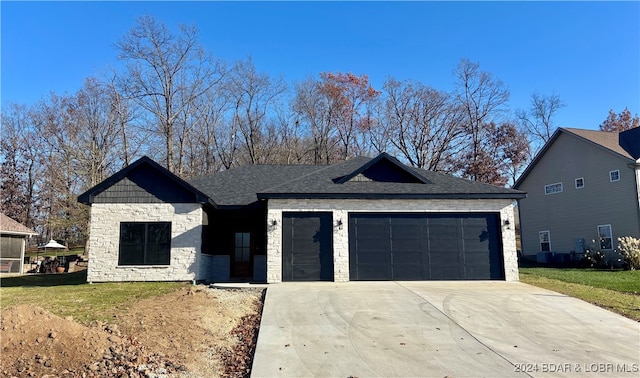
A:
(588, 53)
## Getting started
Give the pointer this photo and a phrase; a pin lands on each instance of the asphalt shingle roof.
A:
(245, 185)
(607, 139)
(10, 226)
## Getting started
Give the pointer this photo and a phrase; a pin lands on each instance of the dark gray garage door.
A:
(307, 247)
(425, 247)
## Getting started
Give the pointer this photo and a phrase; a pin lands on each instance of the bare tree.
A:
(19, 167)
(421, 123)
(483, 99)
(351, 97)
(254, 96)
(538, 121)
(166, 73)
(316, 116)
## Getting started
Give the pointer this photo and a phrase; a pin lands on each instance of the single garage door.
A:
(307, 246)
(425, 246)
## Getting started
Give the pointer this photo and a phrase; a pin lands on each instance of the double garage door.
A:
(395, 246)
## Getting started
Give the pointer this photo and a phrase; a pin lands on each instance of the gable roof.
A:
(392, 171)
(88, 197)
(326, 183)
(12, 227)
(606, 140)
(246, 185)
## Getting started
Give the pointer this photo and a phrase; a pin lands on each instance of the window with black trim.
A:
(145, 243)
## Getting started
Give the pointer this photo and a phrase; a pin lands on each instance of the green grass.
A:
(615, 290)
(70, 295)
(626, 281)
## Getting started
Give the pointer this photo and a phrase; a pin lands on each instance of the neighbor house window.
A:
(242, 247)
(145, 243)
(614, 175)
(605, 236)
(580, 183)
(545, 241)
(553, 188)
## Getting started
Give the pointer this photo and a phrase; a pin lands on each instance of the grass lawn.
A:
(615, 290)
(69, 294)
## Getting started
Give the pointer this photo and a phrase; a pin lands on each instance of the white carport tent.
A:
(52, 244)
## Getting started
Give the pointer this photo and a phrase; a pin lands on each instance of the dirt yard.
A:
(197, 331)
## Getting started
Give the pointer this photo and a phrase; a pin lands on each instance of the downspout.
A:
(636, 166)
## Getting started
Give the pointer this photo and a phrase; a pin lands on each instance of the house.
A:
(361, 219)
(583, 191)
(13, 242)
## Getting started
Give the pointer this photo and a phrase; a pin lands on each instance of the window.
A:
(553, 188)
(145, 243)
(242, 247)
(580, 183)
(614, 175)
(545, 241)
(605, 236)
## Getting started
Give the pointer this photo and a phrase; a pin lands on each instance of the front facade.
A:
(439, 240)
(582, 192)
(363, 219)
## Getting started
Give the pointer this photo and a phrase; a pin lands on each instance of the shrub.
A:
(629, 247)
(593, 258)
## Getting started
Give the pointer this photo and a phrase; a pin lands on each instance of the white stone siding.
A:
(342, 208)
(104, 239)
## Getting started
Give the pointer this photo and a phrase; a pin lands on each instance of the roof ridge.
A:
(322, 167)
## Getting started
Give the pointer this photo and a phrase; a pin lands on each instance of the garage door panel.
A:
(446, 273)
(409, 272)
(373, 272)
(398, 244)
(373, 245)
(446, 245)
(307, 246)
(478, 272)
(374, 257)
(305, 259)
(425, 246)
(475, 259)
(305, 273)
(304, 245)
(444, 258)
(405, 230)
(407, 257)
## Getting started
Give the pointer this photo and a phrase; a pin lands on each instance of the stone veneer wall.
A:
(104, 238)
(342, 208)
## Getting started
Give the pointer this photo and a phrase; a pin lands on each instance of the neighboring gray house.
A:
(361, 219)
(583, 190)
(14, 238)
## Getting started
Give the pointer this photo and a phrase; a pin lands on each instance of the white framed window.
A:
(553, 188)
(614, 175)
(545, 241)
(605, 236)
(580, 183)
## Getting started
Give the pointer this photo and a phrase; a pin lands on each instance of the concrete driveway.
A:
(438, 329)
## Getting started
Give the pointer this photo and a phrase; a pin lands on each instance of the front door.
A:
(241, 255)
